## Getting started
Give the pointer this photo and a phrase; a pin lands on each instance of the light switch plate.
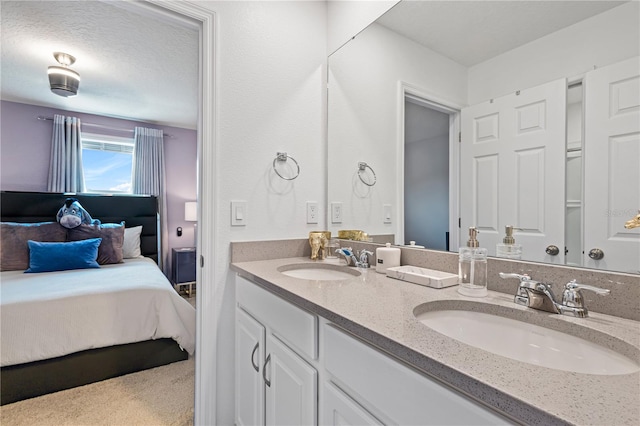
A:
(238, 213)
(386, 213)
(336, 212)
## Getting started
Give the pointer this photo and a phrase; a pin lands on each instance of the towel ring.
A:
(282, 156)
(362, 166)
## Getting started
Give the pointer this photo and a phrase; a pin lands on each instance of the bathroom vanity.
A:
(353, 350)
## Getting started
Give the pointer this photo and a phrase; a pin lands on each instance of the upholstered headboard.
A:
(134, 210)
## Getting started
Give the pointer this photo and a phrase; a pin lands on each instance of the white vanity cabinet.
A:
(294, 368)
(380, 389)
(275, 343)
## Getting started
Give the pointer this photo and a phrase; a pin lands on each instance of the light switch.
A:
(238, 213)
(386, 209)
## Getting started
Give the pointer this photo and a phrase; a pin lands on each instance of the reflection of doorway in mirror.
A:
(426, 176)
(574, 196)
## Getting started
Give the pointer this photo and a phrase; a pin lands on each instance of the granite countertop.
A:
(380, 310)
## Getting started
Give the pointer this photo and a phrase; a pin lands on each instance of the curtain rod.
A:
(102, 126)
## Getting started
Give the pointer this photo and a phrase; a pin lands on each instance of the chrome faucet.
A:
(537, 295)
(364, 258)
(361, 261)
(348, 255)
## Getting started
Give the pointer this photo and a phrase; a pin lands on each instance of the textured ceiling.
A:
(470, 32)
(133, 62)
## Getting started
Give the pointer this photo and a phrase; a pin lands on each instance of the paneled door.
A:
(250, 347)
(512, 163)
(291, 394)
(612, 166)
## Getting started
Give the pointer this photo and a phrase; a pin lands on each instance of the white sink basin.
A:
(318, 271)
(527, 342)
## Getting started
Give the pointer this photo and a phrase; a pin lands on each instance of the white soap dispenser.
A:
(508, 248)
(387, 257)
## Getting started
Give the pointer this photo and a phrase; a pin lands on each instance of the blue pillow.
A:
(49, 257)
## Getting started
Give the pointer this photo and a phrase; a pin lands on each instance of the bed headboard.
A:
(134, 210)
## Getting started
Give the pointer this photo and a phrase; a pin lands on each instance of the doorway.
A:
(428, 179)
(426, 176)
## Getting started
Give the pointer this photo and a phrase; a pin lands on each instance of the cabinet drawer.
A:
(393, 391)
(296, 327)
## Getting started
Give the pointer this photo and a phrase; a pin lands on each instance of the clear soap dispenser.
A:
(508, 248)
(472, 267)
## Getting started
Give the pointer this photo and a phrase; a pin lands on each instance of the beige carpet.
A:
(160, 396)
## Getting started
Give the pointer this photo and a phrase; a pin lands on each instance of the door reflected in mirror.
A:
(533, 106)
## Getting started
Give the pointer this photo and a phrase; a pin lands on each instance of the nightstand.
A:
(184, 268)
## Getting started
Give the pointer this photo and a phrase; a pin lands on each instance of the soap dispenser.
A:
(508, 248)
(472, 267)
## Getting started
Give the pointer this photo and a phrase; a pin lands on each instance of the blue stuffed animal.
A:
(72, 214)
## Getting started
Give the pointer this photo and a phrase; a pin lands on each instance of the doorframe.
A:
(429, 100)
(206, 340)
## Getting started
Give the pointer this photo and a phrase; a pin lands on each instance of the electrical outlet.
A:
(336, 212)
(312, 212)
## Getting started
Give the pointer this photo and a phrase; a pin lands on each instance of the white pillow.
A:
(131, 245)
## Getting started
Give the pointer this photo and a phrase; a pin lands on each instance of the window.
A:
(107, 162)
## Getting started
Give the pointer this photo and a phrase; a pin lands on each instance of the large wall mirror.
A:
(449, 115)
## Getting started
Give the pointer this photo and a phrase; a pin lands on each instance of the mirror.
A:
(409, 76)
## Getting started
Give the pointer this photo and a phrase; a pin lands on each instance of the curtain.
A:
(149, 179)
(65, 169)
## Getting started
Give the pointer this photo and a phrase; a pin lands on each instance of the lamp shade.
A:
(191, 211)
(63, 81)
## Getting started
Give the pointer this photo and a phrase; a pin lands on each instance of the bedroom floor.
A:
(160, 396)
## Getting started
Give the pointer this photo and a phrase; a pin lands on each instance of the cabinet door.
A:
(291, 392)
(611, 165)
(340, 410)
(250, 347)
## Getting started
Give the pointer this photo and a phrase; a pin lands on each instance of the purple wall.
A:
(25, 148)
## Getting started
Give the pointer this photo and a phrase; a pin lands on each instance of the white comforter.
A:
(52, 314)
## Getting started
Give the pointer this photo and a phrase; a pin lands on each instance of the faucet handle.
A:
(523, 277)
(573, 285)
(572, 296)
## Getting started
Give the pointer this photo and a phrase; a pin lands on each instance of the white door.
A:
(512, 165)
(612, 165)
(338, 409)
(250, 347)
(291, 393)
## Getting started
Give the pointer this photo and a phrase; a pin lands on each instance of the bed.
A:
(73, 327)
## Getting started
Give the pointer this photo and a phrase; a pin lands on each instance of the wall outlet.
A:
(312, 212)
(238, 213)
(386, 213)
(336, 212)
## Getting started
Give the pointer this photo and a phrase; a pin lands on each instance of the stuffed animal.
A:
(72, 214)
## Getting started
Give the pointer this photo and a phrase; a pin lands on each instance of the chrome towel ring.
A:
(282, 156)
(362, 166)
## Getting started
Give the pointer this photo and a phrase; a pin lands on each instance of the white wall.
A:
(346, 18)
(270, 96)
(364, 80)
(604, 39)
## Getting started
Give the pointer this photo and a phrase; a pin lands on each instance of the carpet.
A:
(159, 396)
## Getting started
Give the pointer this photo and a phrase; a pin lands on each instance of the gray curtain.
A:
(149, 178)
(65, 168)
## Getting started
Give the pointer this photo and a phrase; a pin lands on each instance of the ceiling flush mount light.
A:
(63, 80)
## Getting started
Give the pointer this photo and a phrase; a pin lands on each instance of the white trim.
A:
(116, 140)
(206, 298)
(425, 98)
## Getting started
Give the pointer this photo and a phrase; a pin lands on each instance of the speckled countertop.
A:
(381, 311)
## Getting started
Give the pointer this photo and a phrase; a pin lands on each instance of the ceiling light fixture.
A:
(63, 80)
